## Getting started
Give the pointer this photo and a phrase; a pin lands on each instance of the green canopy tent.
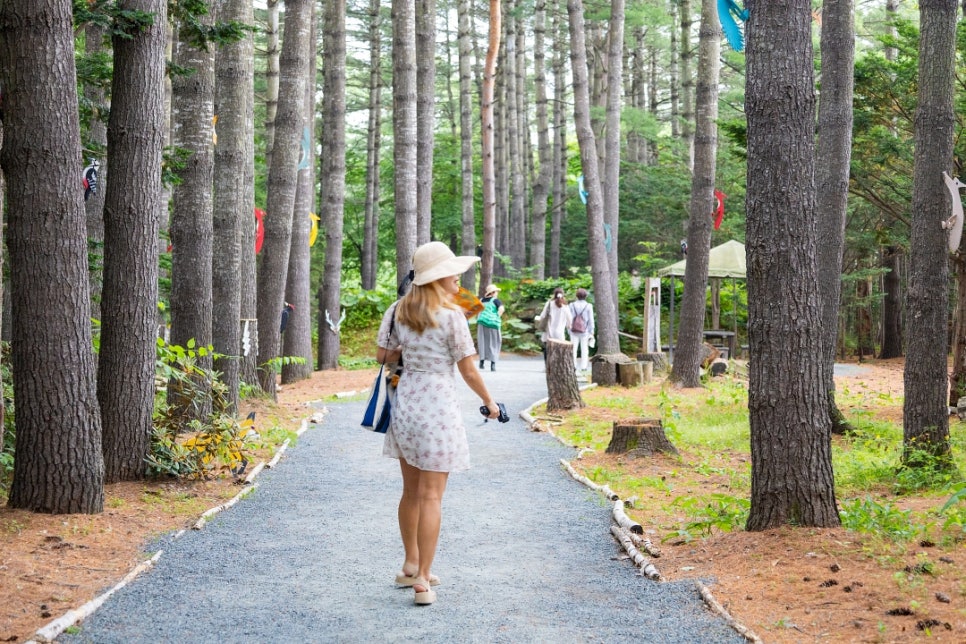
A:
(726, 260)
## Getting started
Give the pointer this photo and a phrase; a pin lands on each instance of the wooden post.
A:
(639, 437)
(647, 371)
(562, 389)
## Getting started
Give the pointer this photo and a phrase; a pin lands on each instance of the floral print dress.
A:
(427, 424)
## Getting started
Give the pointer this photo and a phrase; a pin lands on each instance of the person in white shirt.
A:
(582, 329)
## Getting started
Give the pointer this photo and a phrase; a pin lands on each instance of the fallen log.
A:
(717, 608)
(642, 562)
(625, 521)
(603, 489)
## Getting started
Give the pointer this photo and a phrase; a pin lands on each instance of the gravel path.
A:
(525, 552)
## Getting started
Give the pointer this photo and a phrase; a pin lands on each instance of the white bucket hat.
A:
(435, 260)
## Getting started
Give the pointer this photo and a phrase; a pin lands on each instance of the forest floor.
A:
(786, 585)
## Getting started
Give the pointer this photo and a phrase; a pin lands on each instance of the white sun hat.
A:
(435, 260)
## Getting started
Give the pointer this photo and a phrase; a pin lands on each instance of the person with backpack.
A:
(489, 323)
(582, 328)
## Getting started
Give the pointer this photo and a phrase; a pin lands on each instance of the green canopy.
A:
(726, 260)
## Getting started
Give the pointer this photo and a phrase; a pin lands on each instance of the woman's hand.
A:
(493, 407)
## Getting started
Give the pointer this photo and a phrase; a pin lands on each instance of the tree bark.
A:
(468, 214)
(405, 132)
(607, 337)
(282, 184)
(791, 472)
(94, 94)
(610, 186)
(562, 389)
(425, 116)
(834, 150)
(925, 414)
(687, 357)
(891, 305)
(639, 437)
(297, 339)
(232, 206)
(271, 78)
(333, 178)
(192, 210)
(133, 211)
(58, 466)
(559, 154)
(487, 143)
(370, 244)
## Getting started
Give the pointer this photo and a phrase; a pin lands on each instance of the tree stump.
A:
(659, 360)
(631, 374)
(639, 437)
(562, 389)
(603, 368)
(647, 371)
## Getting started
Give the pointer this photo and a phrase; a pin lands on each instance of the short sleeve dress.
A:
(427, 424)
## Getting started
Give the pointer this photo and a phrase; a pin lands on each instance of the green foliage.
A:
(707, 514)
(870, 516)
(218, 440)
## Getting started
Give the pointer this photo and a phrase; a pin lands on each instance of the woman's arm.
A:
(385, 355)
(471, 375)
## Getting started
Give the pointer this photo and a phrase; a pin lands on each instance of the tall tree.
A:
(610, 185)
(791, 451)
(558, 157)
(58, 466)
(405, 127)
(271, 76)
(425, 115)
(487, 142)
(467, 208)
(541, 186)
(687, 83)
(516, 229)
(687, 356)
(282, 184)
(370, 243)
(232, 205)
(193, 93)
(925, 418)
(95, 95)
(132, 220)
(833, 152)
(607, 338)
(333, 181)
(297, 339)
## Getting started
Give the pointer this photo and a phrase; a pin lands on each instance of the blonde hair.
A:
(417, 308)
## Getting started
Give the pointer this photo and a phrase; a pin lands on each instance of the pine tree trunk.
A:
(271, 78)
(405, 126)
(282, 185)
(487, 143)
(58, 466)
(233, 164)
(925, 414)
(370, 243)
(94, 35)
(468, 214)
(132, 219)
(517, 197)
(687, 356)
(333, 178)
(687, 83)
(891, 305)
(192, 213)
(559, 155)
(425, 116)
(610, 185)
(541, 186)
(297, 339)
(791, 475)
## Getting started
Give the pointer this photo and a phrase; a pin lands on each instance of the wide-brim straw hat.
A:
(491, 289)
(435, 260)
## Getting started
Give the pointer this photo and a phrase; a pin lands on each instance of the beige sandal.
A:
(425, 597)
(405, 581)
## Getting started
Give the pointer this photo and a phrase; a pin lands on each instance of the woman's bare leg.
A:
(409, 516)
(431, 488)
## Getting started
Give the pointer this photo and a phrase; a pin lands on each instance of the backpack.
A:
(579, 324)
(489, 316)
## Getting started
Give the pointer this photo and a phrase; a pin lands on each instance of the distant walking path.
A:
(525, 552)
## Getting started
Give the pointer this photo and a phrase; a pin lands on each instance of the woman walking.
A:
(429, 333)
(489, 323)
(558, 319)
